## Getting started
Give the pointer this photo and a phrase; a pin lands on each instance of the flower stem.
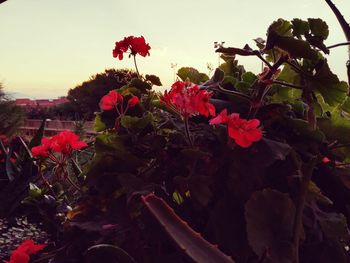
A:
(187, 132)
(339, 44)
(46, 182)
(137, 70)
(73, 184)
(306, 173)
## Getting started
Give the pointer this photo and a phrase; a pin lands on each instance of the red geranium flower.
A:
(136, 45)
(139, 45)
(133, 101)
(243, 132)
(188, 100)
(64, 142)
(109, 101)
(43, 149)
(23, 252)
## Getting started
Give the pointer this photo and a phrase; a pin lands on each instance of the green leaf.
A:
(319, 28)
(282, 93)
(143, 86)
(300, 27)
(270, 216)
(281, 27)
(335, 128)
(192, 74)
(243, 86)
(296, 48)
(129, 90)
(154, 80)
(38, 135)
(303, 128)
(231, 68)
(346, 105)
(34, 191)
(289, 75)
(131, 122)
(110, 142)
(232, 51)
(249, 77)
(327, 83)
(99, 125)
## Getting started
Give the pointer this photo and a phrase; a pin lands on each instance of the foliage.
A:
(270, 185)
(11, 116)
(85, 98)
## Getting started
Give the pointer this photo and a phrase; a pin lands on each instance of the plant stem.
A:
(137, 70)
(72, 183)
(234, 93)
(263, 60)
(306, 173)
(187, 132)
(46, 182)
(288, 84)
(262, 88)
(339, 44)
(339, 146)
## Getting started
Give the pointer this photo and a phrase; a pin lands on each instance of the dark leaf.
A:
(154, 80)
(270, 216)
(300, 27)
(190, 242)
(318, 28)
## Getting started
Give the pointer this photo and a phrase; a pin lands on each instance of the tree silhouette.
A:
(85, 97)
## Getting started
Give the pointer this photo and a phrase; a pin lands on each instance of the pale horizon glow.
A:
(48, 47)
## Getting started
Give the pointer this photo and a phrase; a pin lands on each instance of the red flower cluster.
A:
(188, 100)
(137, 45)
(23, 252)
(243, 132)
(64, 142)
(113, 99)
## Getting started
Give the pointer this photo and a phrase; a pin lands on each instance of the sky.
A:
(48, 47)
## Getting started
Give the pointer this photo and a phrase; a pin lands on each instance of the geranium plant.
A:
(241, 167)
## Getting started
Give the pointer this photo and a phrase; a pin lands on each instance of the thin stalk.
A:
(264, 60)
(339, 44)
(187, 132)
(339, 146)
(137, 70)
(73, 184)
(306, 174)
(234, 93)
(46, 182)
(288, 84)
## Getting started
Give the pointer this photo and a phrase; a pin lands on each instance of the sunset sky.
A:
(48, 47)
